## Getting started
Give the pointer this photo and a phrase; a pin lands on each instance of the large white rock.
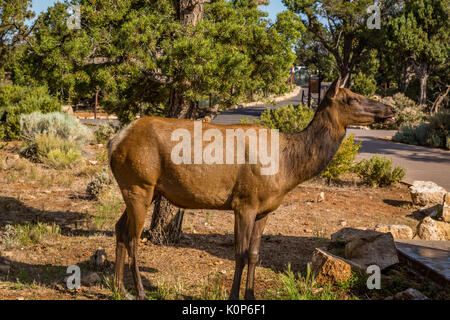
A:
(425, 193)
(398, 231)
(444, 227)
(428, 230)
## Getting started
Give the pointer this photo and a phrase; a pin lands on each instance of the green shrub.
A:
(53, 151)
(343, 160)
(104, 132)
(287, 119)
(16, 100)
(408, 112)
(100, 182)
(61, 125)
(436, 133)
(377, 171)
(364, 84)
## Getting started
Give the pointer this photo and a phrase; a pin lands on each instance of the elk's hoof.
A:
(141, 296)
(234, 297)
(249, 295)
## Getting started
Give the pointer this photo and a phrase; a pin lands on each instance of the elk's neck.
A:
(307, 153)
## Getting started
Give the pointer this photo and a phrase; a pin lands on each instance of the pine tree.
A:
(420, 34)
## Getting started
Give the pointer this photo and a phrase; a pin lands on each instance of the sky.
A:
(273, 8)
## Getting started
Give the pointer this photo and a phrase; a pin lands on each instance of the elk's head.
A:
(353, 109)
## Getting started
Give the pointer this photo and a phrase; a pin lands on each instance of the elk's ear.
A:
(334, 89)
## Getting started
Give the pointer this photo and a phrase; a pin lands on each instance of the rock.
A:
(444, 228)
(4, 268)
(321, 197)
(343, 223)
(329, 268)
(428, 230)
(345, 235)
(410, 294)
(90, 279)
(446, 208)
(93, 162)
(367, 247)
(99, 258)
(425, 193)
(3, 261)
(379, 250)
(398, 231)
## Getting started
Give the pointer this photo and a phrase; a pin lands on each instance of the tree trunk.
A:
(167, 219)
(439, 99)
(423, 74)
(423, 89)
(405, 78)
(345, 77)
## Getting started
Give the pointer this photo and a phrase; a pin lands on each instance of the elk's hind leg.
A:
(121, 239)
(137, 200)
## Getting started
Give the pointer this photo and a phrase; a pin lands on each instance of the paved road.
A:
(235, 115)
(421, 163)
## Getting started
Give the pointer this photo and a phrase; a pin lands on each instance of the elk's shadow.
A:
(276, 253)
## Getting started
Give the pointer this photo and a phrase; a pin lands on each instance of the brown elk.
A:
(140, 159)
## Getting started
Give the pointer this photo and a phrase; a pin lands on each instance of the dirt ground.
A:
(204, 259)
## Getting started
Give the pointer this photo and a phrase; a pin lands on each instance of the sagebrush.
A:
(435, 133)
(99, 182)
(58, 124)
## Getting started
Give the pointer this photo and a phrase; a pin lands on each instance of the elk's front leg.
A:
(243, 227)
(253, 256)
